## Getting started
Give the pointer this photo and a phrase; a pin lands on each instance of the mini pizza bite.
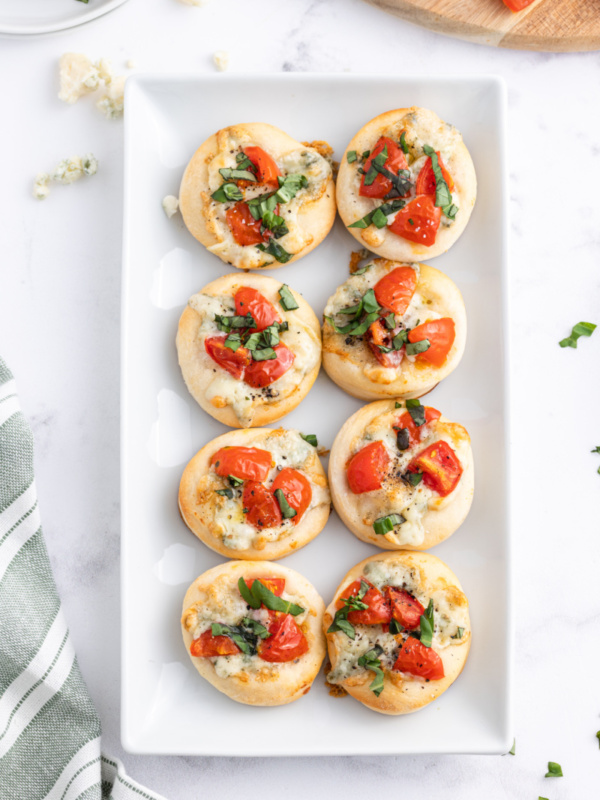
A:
(257, 198)
(401, 475)
(249, 349)
(406, 185)
(393, 330)
(398, 631)
(256, 494)
(253, 629)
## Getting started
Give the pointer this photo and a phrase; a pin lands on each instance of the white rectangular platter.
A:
(166, 707)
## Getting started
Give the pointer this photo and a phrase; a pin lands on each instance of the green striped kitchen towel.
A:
(49, 728)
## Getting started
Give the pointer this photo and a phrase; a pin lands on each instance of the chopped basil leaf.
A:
(310, 438)
(342, 624)
(400, 340)
(227, 192)
(236, 321)
(351, 156)
(390, 321)
(286, 298)
(275, 250)
(378, 161)
(386, 524)
(270, 600)
(266, 354)
(275, 223)
(243, 162)
(395, 626)
(365, 154)
(287, 512)
(426, 625)
(229, 173)
(225, 492)
(403, 144)
(598, 737)
(362, 270)
(233, 342)
(403, 439)
(458, 635)
(378, 218)
(245, 635)
(400, 184)
(554, 770)
(511, 752)
(414, 478)
(289, 187)
(235, 481)
(581, 329)
(397, 404)
(370, 660)
(417, 411)
(248, 596)
(364, 222)
(414, 348)
(386, 208)
(443, 197)
(369, 302)
(352, 603)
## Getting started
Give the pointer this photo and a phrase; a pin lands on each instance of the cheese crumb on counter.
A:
(170, 205)
(221, 59)
(79, 75)
(67, 171)
(131, 63)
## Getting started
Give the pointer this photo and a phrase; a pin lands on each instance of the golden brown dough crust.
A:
(212, 387)
(402, 694)
(443, 514)
(422, 127)
(199, 505)
(204, 217)
(272, 684)
(354, 367)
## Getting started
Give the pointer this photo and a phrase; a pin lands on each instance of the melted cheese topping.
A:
(224, 389)
(224, 516)
(303, 160)
(450, 612)
(221, 602)
(395, 496)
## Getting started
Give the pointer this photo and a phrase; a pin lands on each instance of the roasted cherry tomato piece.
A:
(396, 160)
(296, 489)
(250, 301)
(245, 463)
(276, 585)
(414, 432)
(233, 362)
(440, 333)
(209, 646)
(379, 335)
(406, 609)
(267, 170)
(395, 290)
(286, 642)
(418, 221)
(416, 659)
(262, 510)
(426, 178)
(440, 467)
(243, 226)
(378, 611)
(517, 5)
(366, 468)
(264, 373)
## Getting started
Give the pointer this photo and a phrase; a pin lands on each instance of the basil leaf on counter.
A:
(511, 752)
(287, 512)
(310, 438)
(554, 770)
(417, 411)
(579, 330)
(386, 524)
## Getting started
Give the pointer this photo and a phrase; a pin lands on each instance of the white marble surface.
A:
(59, 331)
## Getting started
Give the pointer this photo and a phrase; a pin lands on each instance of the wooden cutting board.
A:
(551, 25)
